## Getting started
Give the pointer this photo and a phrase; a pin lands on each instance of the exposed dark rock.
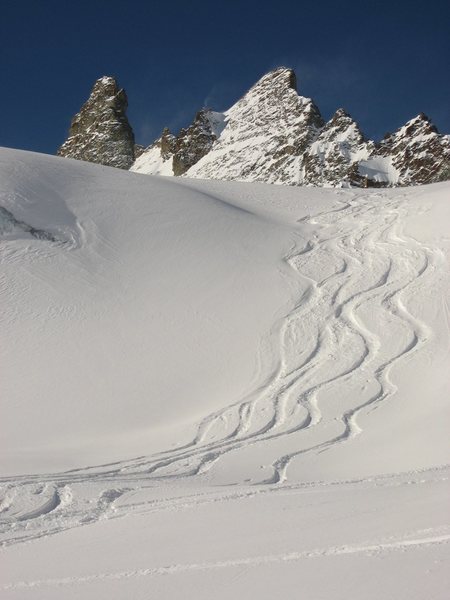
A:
(100, 132)
(266, 135)
(419, 153)
(9, 225)
(167, 143)
(273, 134)
(138, 150)
(196, 141)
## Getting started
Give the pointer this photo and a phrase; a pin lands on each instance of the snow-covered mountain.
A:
(221, 390)
(416, 153)
(266, 134)
(274, 135)
(174, 155)
(333, 158)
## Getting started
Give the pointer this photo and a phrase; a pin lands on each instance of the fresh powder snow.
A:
(214, 389)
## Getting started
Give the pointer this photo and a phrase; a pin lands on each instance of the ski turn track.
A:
(253, 561)
(358, 269)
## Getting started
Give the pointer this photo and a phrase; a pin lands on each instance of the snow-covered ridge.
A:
(265, 136)
(274, 135)
(334, 156)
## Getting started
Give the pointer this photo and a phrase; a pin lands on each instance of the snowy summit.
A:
(272, 135)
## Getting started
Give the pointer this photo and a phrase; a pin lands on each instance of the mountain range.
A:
(272, 134)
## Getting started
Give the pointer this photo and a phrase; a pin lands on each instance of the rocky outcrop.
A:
(138, 150)
(418, 153)
(157, 158)
(100, 132)
(272, 134)
(277, 136)
(196, 141)
(263, 137)
(266, 135)
(167, 144)
(332, 159)
(175, 155)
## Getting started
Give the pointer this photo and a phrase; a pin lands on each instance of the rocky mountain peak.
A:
(100, 132)
(266, 134)
(196, 141)
(167, 143)
(418, 126)
(333, 157)
(341, 115)
(106, 86)
(422, 123)
(278, 80)
(277, 91)
(414, 154)
(271, 134)
(342, 123)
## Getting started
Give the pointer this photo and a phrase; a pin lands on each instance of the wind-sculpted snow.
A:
(10, 226)
(330, 454)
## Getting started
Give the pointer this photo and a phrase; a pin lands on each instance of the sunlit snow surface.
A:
(221, 390)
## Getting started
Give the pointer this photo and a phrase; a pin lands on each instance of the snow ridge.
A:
(274, 135)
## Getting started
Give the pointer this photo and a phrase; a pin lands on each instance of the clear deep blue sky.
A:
(383, 61)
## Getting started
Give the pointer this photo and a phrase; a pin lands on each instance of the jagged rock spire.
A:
(196, 141)
(100, 132)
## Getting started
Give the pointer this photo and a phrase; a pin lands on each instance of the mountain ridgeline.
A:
(272, 135)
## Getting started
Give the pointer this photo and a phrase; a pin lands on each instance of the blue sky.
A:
(383, 61)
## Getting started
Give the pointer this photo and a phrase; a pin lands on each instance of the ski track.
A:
(359, 245)
(252, 561)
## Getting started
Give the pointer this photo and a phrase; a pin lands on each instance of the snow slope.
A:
(216, 389)
(152, 162)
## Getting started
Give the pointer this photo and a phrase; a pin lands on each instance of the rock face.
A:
(174, 155)
(266, 134)
(138, 150)
(333, 158)
(157, 158)
(100, 132)
(196, 141)
(263, 137)
(272, 134)
(275, 135)
(416, 153)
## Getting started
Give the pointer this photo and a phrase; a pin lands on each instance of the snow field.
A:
(218, 389)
